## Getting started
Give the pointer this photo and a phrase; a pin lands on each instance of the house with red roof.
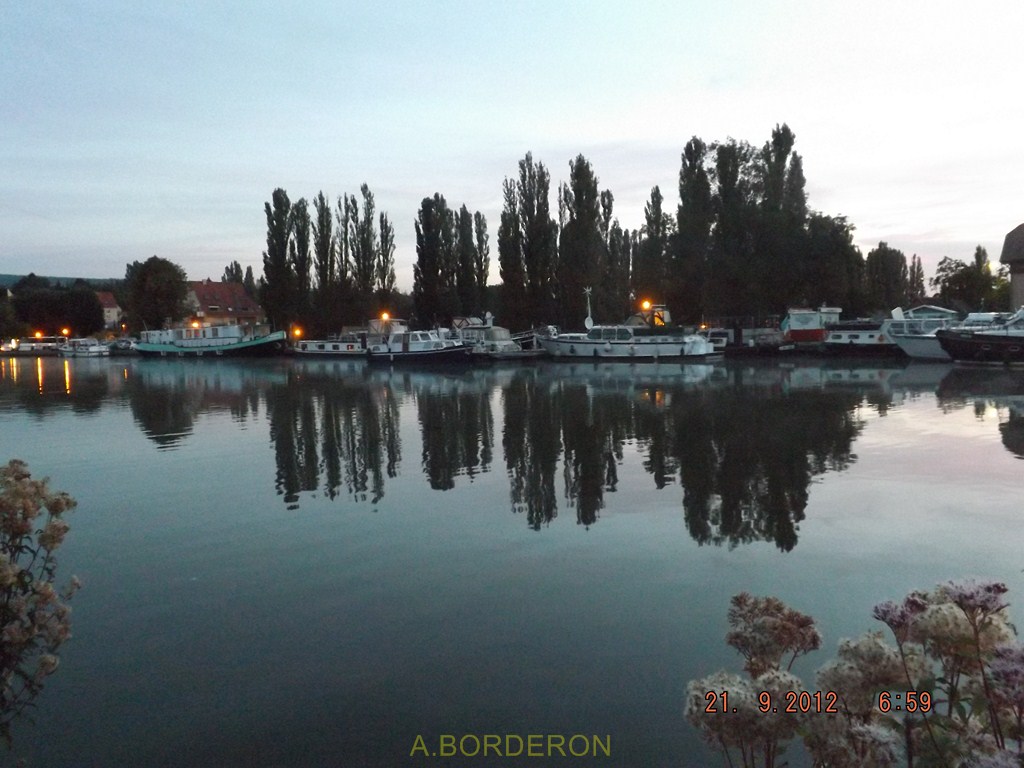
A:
(213, 303)
(111, 309)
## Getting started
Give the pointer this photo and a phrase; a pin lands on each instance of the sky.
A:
(136, 129)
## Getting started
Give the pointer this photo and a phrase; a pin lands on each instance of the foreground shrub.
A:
(947, 688)
(35, 619)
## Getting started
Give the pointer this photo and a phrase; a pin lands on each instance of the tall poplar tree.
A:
(299, 256)
(538, 235)
(482, 266)
(323, 242)
(512, 267)
(277, 290)
(386, 260)
(687, 293)
(582, 257)
(651, 266)
(465, 277)
(434, 298)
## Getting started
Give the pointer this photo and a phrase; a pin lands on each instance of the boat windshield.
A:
(605, 333)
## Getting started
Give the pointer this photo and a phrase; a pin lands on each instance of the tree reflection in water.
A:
(343, 428)
(743, 443)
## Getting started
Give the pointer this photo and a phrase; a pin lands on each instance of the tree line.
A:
(741, 241)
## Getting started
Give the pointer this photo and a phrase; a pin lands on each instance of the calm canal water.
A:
(292, 563)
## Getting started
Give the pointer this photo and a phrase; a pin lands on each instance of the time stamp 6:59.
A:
(821, 702)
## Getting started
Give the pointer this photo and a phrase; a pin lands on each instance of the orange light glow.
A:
(39, 334)
(195, 323)
(645, 305)
(385, 316)
(65, 331)
(297, 332)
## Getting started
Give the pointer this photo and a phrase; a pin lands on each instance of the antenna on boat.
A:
(588, 323)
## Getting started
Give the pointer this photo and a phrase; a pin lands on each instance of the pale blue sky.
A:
(131, 129)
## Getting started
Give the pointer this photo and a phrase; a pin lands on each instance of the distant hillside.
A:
(6, 281)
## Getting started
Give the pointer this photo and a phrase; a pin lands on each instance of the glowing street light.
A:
(645, 305)
(296, 332)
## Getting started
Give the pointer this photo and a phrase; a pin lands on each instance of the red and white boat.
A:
(809, 326)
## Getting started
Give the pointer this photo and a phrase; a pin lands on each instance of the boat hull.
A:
(983, 348)
(924, 346)
(263, 346)
(662, 349)
(446, 356)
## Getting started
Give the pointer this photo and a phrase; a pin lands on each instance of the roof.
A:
(1013, 247)
(930, 310)
(223, 297)
(107, 300)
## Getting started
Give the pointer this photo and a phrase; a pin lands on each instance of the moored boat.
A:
(808, 327)
(86, 347)
(921, 344)
(400, 346)
(860, 337)
(211, 341)
(647, 335)
(996, 345)
(489, 342)
(37, 345)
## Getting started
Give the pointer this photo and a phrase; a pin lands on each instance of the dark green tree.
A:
(511, 265)
(363, 239)
(323, 242)
(915, 281)
(651, 265)
(233, 273)
(733, 278)
(466, 287)
(155, 292)
(582, 251)
(299, 256)
(482, 263)
(973, 286)
(534, 235)
(695, 216)
(433, 291)
(833, 268)
(887, 277)
(386, 260)
(249, 282)
(277, 288)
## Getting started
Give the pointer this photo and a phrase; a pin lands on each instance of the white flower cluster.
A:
(950, 691)
(35, 620)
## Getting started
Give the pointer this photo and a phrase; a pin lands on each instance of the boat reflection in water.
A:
(983, 389)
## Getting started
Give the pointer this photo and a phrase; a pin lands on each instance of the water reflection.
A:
(981, 389)
(738, 444)
(166, 397)
(43, 384)
(335, 430)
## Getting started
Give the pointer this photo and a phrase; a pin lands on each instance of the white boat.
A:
(645, 336)
(199, 340)
(487, 341)
(399, 346)
(87, 347)
(808, 327)
(860, 337)
(33, 346)
(352, 342)
(918, 339)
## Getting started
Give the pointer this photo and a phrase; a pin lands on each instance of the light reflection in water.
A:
(67, 378)
(39, 373)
